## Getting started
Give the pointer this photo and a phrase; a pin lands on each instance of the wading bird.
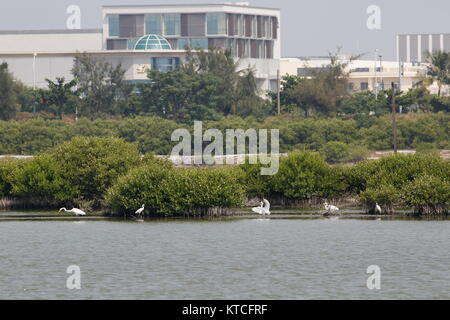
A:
(330, 208)
(139, 211)
(263, 209)
(377, 208)
(77, 212)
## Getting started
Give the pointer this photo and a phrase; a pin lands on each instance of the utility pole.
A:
(394, 120)
(400, 74)
(278, 92)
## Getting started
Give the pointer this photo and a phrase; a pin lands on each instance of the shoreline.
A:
(281, 216)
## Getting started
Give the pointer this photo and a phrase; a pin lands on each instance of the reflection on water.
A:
(261, 258)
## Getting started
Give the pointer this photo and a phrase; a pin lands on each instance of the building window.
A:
(231, 44)
(217, 43)
(274, 28)
(360, 70)
(172, 24)
(266, 27)
(193, 43)
(193, 25)
(113, 25)
(269, 49)
(261, 51)
(254, 27)
(131, 26)
(364, 86)
(240, 25)
(153, 24)
(165, 64)
(216, 23)
(259, 24)
(199, 43)
(116, 44)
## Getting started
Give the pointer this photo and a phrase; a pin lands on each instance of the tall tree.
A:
(221, 63)
(324, 89)
(439, 68)
(101, 85)
(60, 93)
(7, 95)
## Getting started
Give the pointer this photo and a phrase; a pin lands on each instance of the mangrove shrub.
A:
(175, 191)
(92, 164)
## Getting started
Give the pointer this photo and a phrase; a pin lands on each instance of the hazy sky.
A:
(309, 27)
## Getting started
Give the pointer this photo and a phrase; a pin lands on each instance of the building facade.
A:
(414, 47)
(151, 37)
(364, 75)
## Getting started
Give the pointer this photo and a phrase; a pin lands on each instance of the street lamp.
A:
(34, 85)
(375, 86)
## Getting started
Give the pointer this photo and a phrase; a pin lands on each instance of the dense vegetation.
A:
(338, 140)
(109, 173)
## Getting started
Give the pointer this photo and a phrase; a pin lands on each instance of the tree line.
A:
(209, 86)
(337, 139)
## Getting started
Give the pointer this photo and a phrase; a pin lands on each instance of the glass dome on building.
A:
(152, 42)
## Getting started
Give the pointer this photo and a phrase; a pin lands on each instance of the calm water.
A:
(233, 259)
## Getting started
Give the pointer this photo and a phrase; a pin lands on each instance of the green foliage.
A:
(100, 84)
(168, 191)
(303, 175)
(92, 164)
(384, 180)
(335, 151)
(386, 195)
(428, 194)
(42, 177)
(9, 168)
(7, 94)
(439, 68)
(61, 95)
(364, 103)
(153, 134)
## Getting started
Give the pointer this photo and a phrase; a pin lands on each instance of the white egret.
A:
(139, 211)
(77, 212)
(377, 208)
(330, 208)
(263, 209)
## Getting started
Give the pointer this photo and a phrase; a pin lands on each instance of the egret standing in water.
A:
(330, 208)
(77, 212)
(141, 210)
(263, 209)
(377, 208)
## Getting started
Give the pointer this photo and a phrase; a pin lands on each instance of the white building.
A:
(363, 74)
(145, 37)
(414, 47)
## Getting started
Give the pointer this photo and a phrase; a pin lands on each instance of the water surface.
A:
(225, 259)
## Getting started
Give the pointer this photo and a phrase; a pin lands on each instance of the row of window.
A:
(365, 69)
(193, 25)
(165, 64)
(242, 48)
